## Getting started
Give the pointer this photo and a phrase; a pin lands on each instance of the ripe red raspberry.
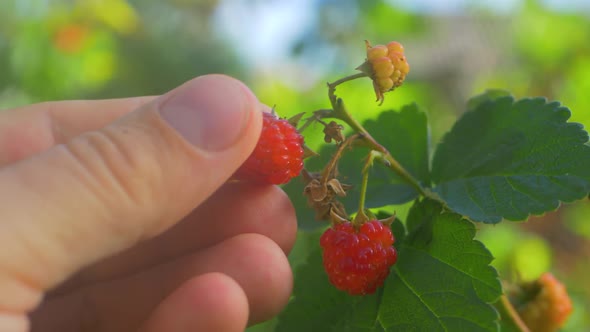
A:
(358, 261)
(387, 66)
(278, 155)
(550, 307)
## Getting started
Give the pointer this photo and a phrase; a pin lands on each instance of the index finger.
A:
(30, 129)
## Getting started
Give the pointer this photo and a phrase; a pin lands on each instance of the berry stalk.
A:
(361, 216)
(339, 112)
(333, 85)
(509, 315)
(330, 167)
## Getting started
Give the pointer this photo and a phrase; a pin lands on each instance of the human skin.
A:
(120, 215)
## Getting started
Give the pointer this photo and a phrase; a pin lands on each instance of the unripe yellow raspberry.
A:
(386, 65)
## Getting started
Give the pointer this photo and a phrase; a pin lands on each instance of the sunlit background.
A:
(287, 50)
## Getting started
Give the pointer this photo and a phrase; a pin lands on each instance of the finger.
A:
(210, 302)
(28, 130)
(14, 322)
(267, 211)
(255, 262)
(124, 183)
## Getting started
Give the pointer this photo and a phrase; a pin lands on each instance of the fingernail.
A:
(211, 112)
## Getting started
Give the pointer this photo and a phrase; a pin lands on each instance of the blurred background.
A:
(287, 50)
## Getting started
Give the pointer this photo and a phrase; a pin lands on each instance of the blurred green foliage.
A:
(64, 49)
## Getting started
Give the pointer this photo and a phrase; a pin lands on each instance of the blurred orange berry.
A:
(550, 308)
(70, 38)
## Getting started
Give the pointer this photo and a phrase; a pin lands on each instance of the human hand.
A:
(116, 215)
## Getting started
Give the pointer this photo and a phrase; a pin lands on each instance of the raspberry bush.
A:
(364, 269)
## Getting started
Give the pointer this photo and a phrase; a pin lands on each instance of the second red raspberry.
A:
(358, 261)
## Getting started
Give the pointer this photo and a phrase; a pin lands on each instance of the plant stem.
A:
(332, 86)
(509, 315)
(361, 216)
(364, 183)
(317, 115)
(395, 166)
(329, 169)
(340, 112)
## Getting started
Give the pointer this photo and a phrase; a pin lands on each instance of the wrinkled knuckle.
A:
(135, 164)
(121, 166)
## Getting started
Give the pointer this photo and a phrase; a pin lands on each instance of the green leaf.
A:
(304, 245)
(510, 159)
(405, 135)
(442, 280)
(488, 95)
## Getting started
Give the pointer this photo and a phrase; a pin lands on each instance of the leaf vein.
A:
(430, 310)
(472, 198)
(457, 268)
(522, 191)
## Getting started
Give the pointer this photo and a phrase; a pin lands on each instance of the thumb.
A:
(105, 190)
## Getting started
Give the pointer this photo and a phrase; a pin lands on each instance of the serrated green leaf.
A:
(442, 280)
(510, 159)
(488, 95)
